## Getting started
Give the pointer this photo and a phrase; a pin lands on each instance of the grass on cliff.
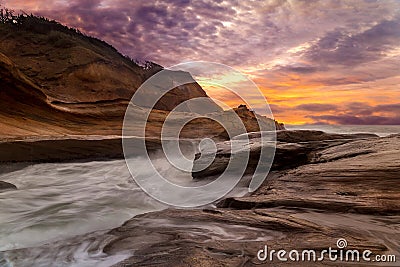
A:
(43, 31)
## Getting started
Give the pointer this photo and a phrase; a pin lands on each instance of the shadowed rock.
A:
(290, 150)
(219, 237)
(4, 186)
(358, 177)
(338, 193)
(64, 83)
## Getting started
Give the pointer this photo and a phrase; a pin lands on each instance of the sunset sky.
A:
(331, 62)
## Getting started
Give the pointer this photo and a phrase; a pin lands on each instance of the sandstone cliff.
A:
(55, 81)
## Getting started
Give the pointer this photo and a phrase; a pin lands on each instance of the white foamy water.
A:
(59, 200)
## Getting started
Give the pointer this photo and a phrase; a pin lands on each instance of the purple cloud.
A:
(358, 113)
(354, 120)
(337, 46)
(341, 47)
(315, 107)
(231, 32)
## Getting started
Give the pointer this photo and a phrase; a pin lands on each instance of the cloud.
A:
(317, 107)
(352, 113)
(395, 108)
(276, 109)
(299, 68)
(314, 57)
(354, 120)
(358, 113)
(339, 47)
(232, 32)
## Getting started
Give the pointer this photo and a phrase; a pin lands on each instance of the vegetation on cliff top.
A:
(59, 35)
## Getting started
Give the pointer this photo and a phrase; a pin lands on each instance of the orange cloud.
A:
(346, 57)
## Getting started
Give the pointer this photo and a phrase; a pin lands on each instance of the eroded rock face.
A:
(221, 237)
(252, 125)
(71, 68)
(336, 194)
(290, 151)
(359, 177)
(224, 237)
(300, 136)
(28, 109)
(4, 186)
(65, 83)
(85, 88)
(309, 206)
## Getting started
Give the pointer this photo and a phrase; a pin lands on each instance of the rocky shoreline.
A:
(346, 186)
(298, 208)
(335, 194)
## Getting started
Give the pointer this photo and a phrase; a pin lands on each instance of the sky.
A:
(331, 62)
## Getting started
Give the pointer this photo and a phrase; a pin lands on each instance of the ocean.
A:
(381, 130)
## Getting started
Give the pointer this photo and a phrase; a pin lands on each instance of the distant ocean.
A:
(381, 130)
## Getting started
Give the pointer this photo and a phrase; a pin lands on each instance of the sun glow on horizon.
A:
(318, 61)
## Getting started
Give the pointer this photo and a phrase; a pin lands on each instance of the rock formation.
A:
(293, 148)
(4, 186)
(334, 194)
(306, 207)
(57, 82)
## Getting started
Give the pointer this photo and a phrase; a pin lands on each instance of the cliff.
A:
(56, 81)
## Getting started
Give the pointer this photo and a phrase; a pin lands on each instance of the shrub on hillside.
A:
(59, 40)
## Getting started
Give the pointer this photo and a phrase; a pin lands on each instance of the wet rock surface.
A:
(293, 148)
(359, 176)
(227, 237)
(224, 237)
(347, 188)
